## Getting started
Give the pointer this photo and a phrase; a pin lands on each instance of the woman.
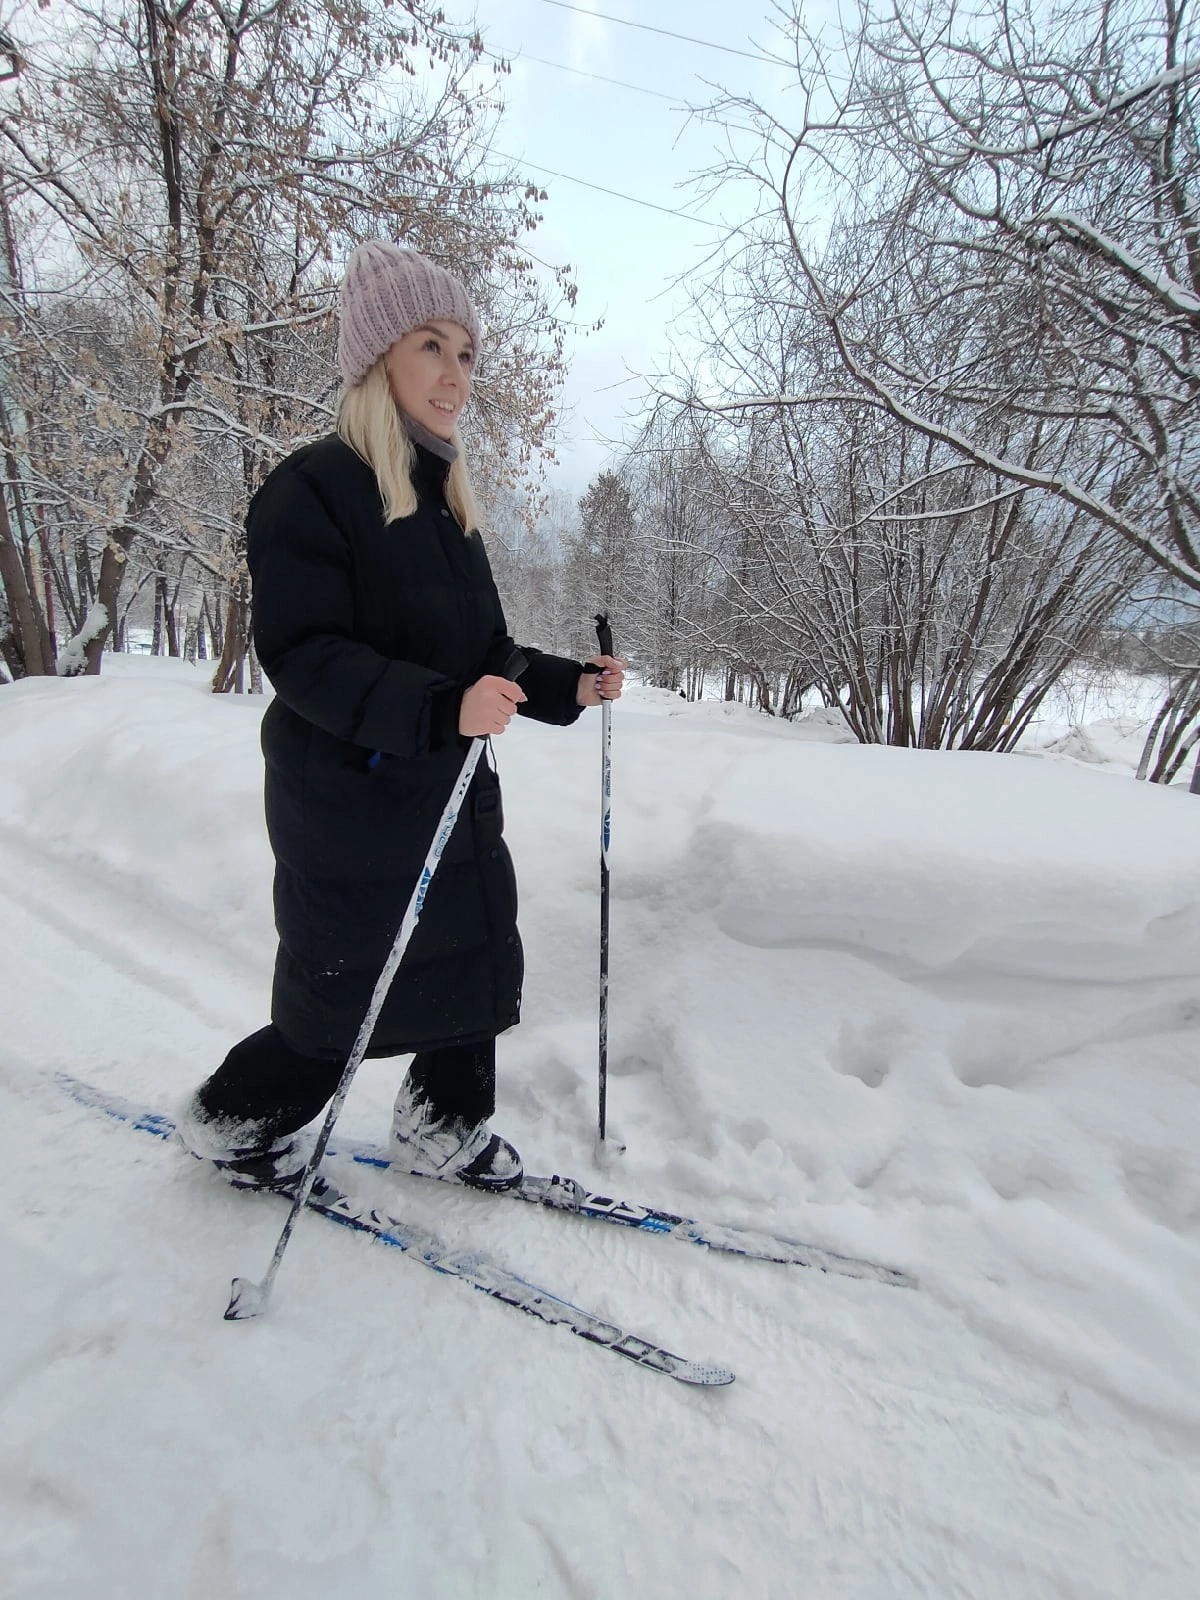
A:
(378, 623)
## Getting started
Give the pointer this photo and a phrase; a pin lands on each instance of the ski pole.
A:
(604, 635)
(249, 1299)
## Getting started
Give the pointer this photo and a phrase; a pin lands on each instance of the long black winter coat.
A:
(370, 633)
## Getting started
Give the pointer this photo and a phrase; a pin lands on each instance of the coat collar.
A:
(435, 456)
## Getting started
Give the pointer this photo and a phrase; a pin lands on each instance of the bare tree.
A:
(26, 640)
(669, 605)
(987, 233)
(1170, 648)
(528, 551)
(1031, 172)
(935, 606)
(185, 178)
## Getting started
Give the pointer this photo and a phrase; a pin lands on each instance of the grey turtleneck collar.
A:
(420, 434)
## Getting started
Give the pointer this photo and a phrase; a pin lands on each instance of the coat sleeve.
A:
(550, 682)
(304, 632)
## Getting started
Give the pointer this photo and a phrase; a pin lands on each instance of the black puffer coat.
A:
(370, 633)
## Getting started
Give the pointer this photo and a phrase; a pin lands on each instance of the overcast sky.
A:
(625, 255)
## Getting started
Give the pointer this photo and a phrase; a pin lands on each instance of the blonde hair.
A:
(369, 422)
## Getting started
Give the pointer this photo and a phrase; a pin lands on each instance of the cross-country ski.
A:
(330, 1201)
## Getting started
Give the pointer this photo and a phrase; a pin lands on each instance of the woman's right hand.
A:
(488, 707)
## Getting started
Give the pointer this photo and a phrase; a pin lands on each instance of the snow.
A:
(72, 658)
(938, 1010)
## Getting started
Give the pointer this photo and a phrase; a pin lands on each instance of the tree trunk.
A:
(30, 638)
(48, 584)
(193, 644)
(171, 618)
(108, 590)
(230, 675)
(160, 600)
(36, 646)
(216, 629)
(10, 658)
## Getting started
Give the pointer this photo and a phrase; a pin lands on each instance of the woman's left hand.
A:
(596, 687)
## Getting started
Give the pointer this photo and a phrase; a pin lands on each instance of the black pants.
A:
(264, 1083)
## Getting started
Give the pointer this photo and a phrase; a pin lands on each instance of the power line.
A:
(600, 189)
(674, 100)
(580, 73)
(687, 38)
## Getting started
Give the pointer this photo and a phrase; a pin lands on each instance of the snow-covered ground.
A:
(938, 1010)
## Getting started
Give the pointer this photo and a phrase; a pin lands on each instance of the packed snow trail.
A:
(850, 1006)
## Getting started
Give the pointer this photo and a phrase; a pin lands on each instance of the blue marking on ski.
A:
(571, 1196)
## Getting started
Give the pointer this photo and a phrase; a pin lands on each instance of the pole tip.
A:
(246, 1301)
(607, 1150)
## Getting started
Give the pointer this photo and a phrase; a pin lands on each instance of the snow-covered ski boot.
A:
(279, 1166)
(448, 1149)
(248, 1164)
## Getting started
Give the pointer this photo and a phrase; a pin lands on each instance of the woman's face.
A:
(429, 370)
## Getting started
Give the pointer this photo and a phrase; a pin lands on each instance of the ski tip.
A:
(703, 1374)
(246, 1301)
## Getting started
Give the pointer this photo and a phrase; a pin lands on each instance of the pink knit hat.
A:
(388, 291)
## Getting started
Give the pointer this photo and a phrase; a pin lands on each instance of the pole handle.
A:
(515, 663)
(604, 633)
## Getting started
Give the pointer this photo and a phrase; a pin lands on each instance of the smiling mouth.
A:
(443, 405)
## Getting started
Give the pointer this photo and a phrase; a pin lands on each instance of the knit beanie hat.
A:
(388, 291)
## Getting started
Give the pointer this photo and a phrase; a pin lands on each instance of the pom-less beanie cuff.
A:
(386, 292)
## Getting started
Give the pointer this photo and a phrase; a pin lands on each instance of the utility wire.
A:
(687, 38)
(580, 73)
(600, 189)
(674, 100)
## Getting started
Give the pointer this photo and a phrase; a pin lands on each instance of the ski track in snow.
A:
(1025, 1424)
